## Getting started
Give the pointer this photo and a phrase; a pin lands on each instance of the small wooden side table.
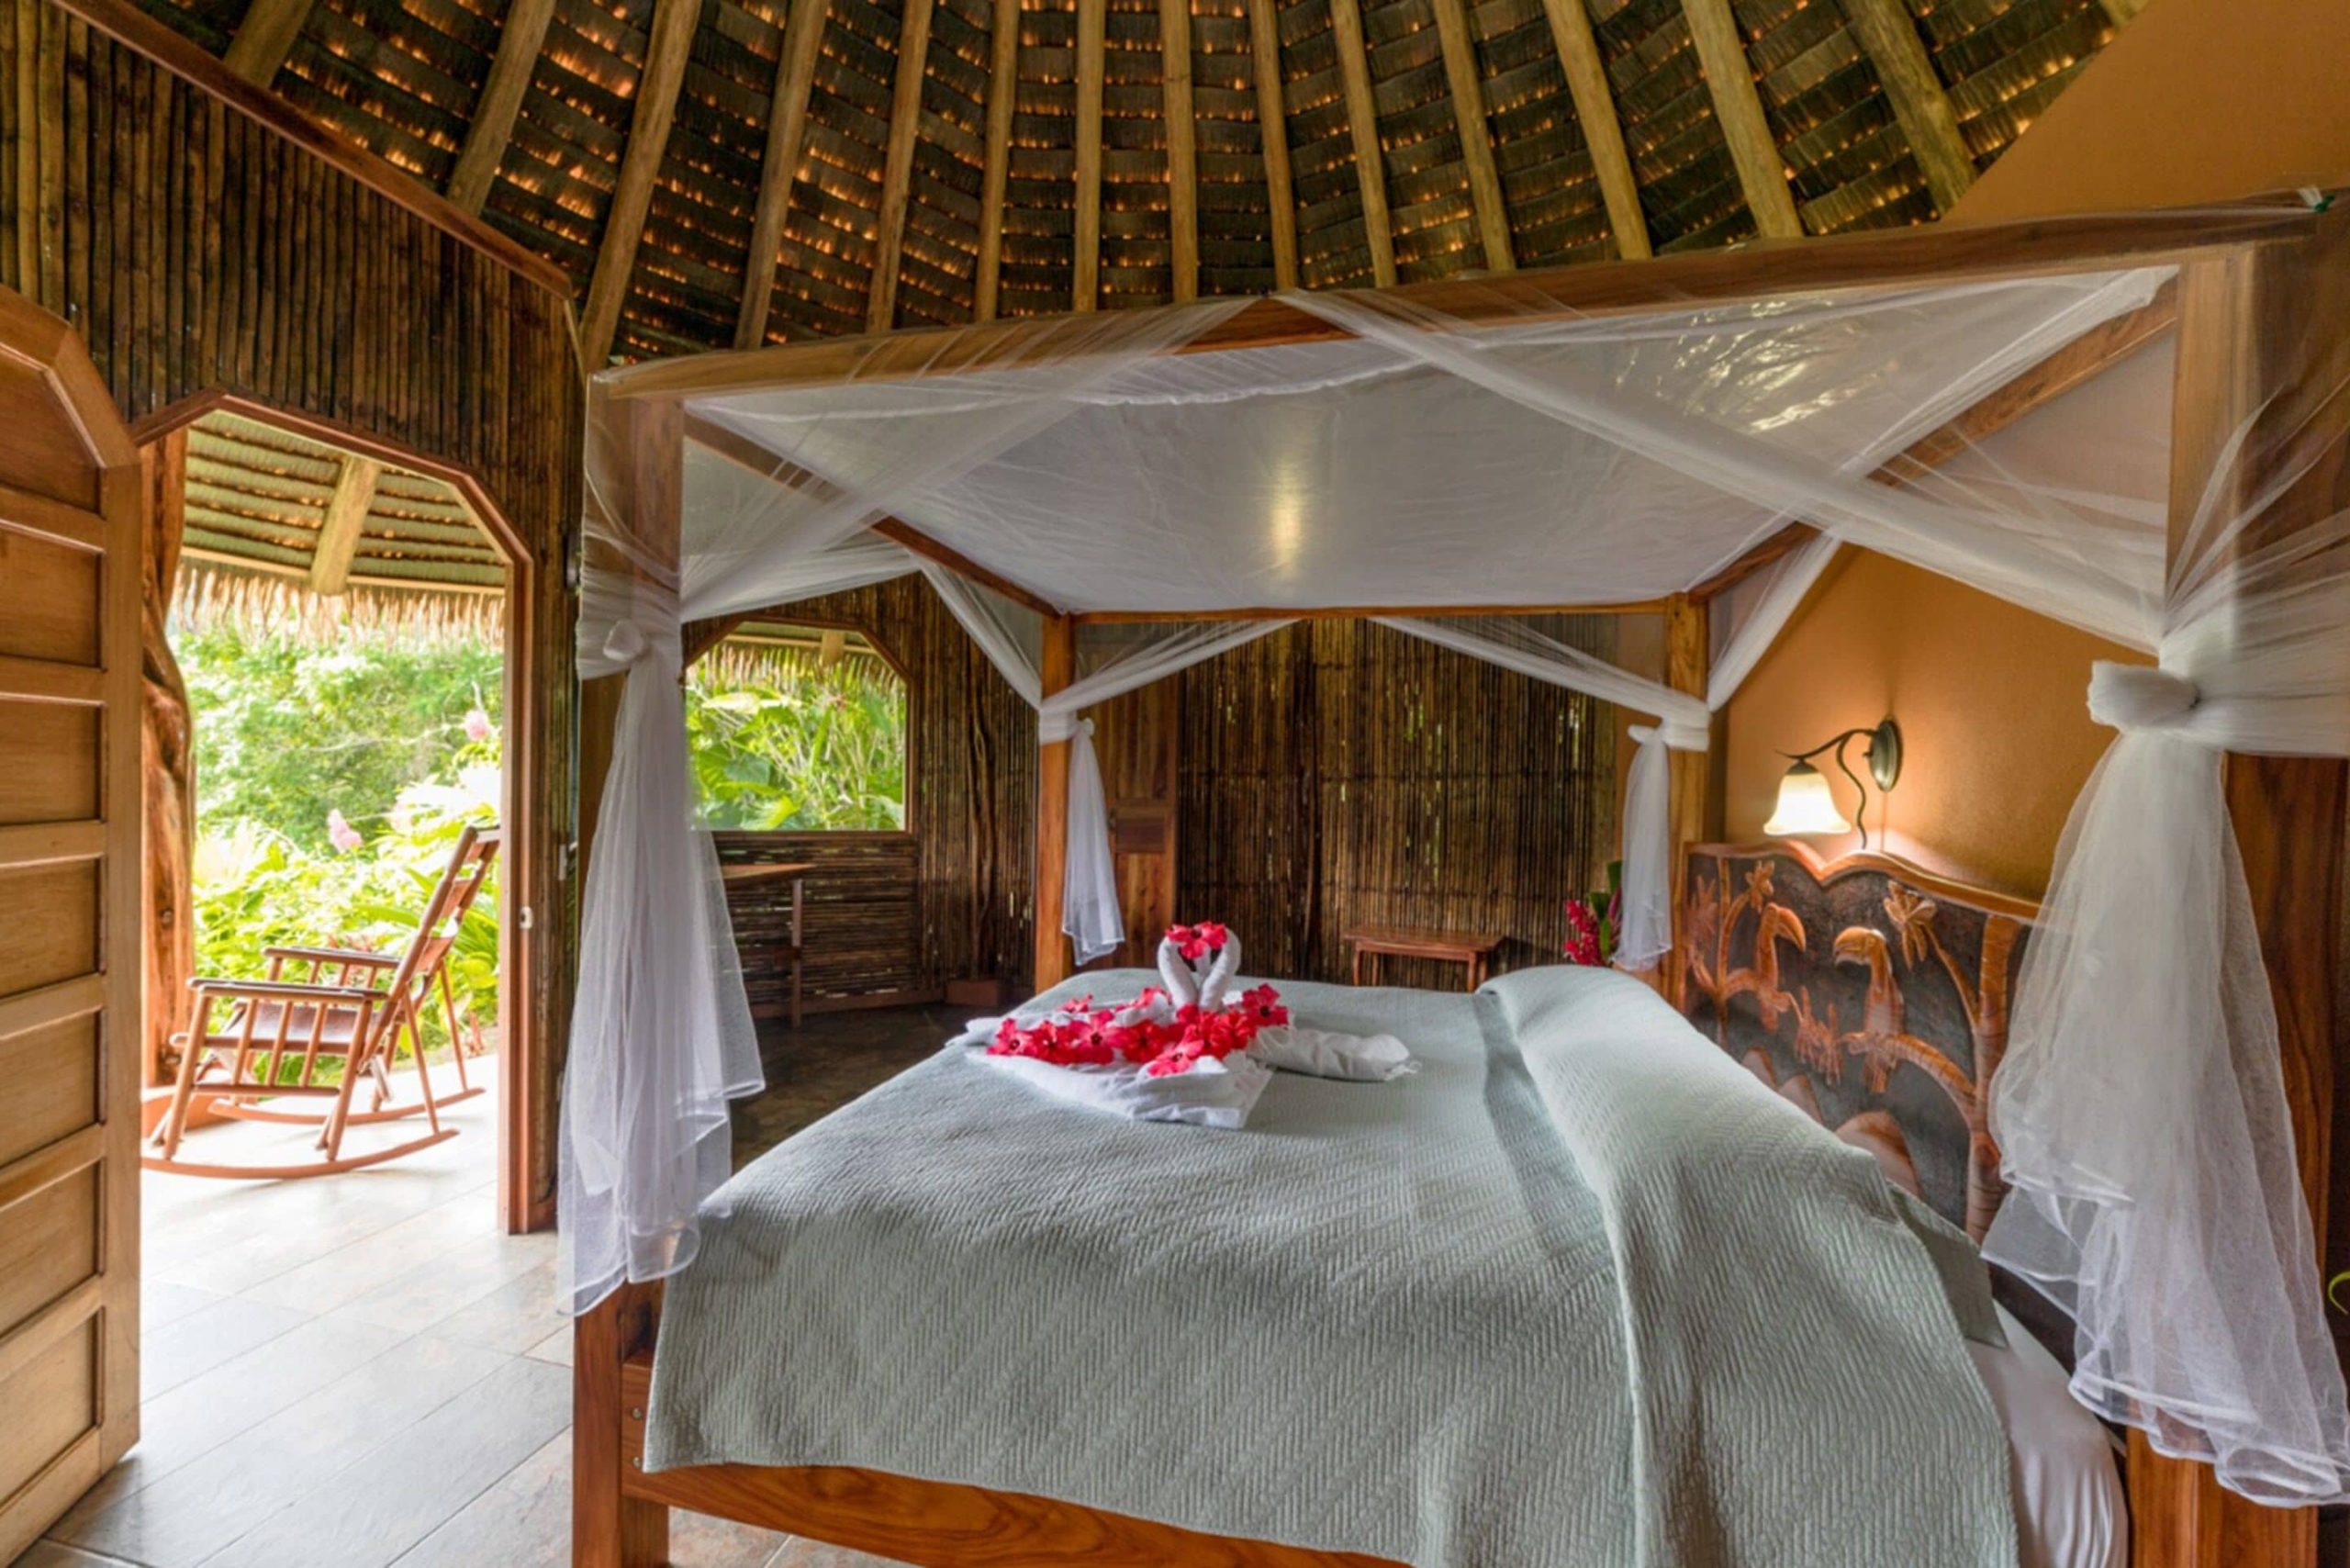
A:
(1472, 950)
(751, 875)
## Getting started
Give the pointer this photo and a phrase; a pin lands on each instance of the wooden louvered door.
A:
(69, 924)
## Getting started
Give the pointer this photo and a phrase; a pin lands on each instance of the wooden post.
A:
(2253, 324)
(1058, 668)
(168, 766)
(1686, 655)
(609, 1529)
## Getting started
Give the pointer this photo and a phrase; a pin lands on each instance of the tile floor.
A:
(360, 1370)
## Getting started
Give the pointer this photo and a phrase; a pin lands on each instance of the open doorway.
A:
(332, 681)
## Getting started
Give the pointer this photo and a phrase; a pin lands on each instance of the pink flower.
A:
(478, 726)
(341, 833)
(1582, 946)
(1262, 1006)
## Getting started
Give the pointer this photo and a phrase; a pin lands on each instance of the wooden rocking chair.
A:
(352, 1007)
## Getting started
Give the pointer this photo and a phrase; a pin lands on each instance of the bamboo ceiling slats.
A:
(1027, 157)
(260, 497)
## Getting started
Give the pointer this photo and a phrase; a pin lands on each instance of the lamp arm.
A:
(1861, 807)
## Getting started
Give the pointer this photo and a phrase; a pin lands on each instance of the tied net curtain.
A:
(1507, 451)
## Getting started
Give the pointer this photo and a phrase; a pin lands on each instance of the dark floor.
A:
(829, 1060)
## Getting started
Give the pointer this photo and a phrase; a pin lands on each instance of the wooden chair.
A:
(352, 1007)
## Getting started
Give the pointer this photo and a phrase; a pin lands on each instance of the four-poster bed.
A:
(2253, 300)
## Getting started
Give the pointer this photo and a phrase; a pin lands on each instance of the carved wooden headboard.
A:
(1871, 993)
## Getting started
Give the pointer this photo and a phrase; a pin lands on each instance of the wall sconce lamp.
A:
(1806, 802)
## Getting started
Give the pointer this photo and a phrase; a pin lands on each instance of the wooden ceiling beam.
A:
(1093, 25)
(1362, 125)
(1468, 86)
(1889, 38)
(898, 168)
(1603, 131)
(1738, 109)
(500, 103)
(339, 526)
(795, 81)
(1003, 96)
(1361, 612)
(1182, 157)
(1764, 270)
(266, 38)
(1273, 131)
(666, 49)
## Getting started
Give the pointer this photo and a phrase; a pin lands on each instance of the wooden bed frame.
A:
(1869, 993)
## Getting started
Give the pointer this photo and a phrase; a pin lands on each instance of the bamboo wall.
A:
(1338, 773)
(194, 250)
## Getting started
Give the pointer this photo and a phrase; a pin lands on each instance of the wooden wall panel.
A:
(1337, 773)
(195, 251)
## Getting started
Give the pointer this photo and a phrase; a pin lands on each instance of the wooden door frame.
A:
(519, 1054)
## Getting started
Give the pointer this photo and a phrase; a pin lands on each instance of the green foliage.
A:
(372, 734)
(287, 732)
(779, 745)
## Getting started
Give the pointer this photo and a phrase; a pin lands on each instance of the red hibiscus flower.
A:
(1262, 1006)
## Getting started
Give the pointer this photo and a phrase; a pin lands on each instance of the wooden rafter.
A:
(897, 169)
(1738, 108)
(1468, 87)
(1003, 95)
(1273, 127)
(1762, 271)
(2121, 11)
(1889, 36)
(1602, 132)
(648, 138)
(1362, 125)
(339, 529)
(1183, 161)
(1362, 612)
(266, 38)
(795, 79)
(1092, 24)
(519, 42)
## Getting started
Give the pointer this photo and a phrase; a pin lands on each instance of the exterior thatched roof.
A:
(260, 500)
(1876, 112)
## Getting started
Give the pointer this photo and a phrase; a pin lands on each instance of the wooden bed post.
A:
(609, 1530)
(1058, 668)
(1687, 653)
(2253, 321)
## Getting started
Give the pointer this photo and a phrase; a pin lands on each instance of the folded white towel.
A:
(1324, 1053)
(1212, 1094)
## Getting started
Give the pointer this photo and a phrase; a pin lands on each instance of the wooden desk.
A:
(1473, 951)
(749, 875)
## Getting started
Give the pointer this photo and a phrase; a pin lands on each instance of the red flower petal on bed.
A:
(1262, 1005)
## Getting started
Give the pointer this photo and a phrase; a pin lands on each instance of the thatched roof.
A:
(279, 525)
(1593, 129)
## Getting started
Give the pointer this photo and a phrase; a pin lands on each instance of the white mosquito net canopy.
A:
(1502, 452)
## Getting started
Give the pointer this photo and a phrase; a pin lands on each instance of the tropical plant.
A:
(783, 746)
(332, 783)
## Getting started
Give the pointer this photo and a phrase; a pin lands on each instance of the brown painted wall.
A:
(194, 250)
(1991, 700)
(2197, 100)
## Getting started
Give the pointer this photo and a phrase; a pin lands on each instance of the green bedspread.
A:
(1581, 1292)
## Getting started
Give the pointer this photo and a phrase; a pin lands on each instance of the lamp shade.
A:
(1806, 804)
